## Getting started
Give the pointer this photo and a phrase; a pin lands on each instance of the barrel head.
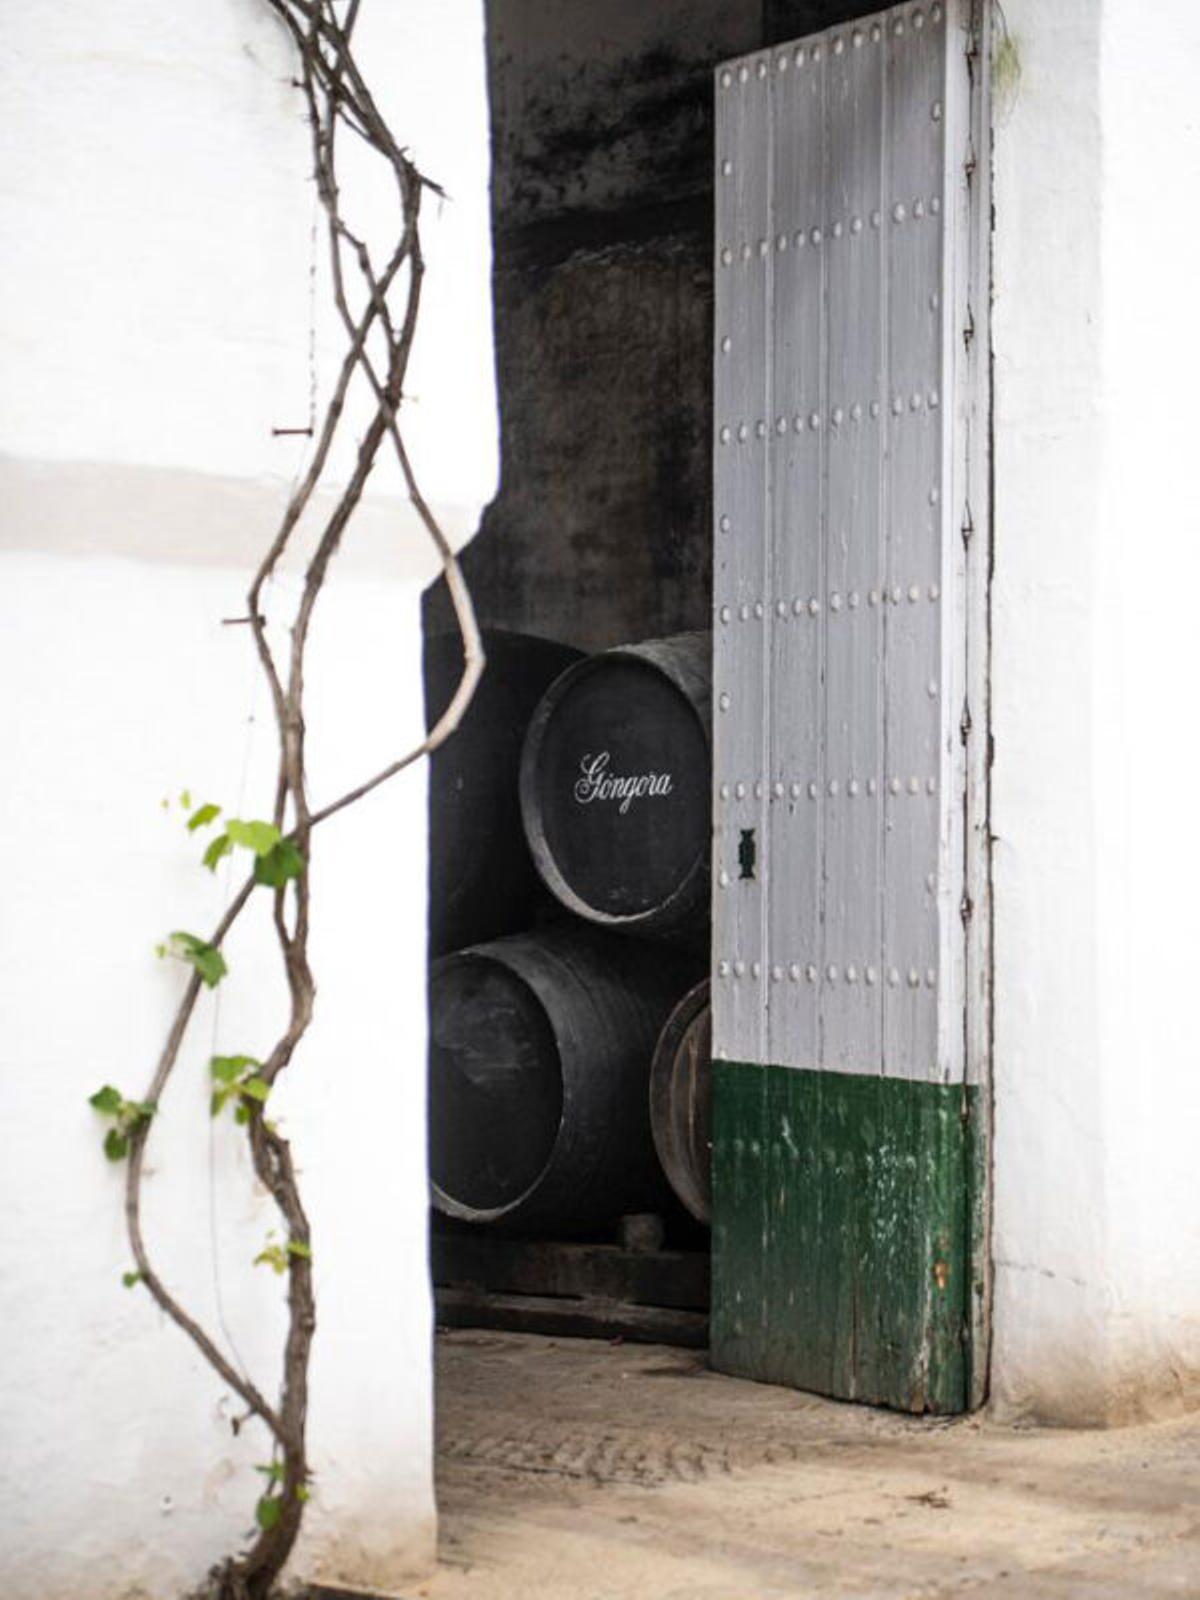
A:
(681, 1101)
(616, 792)
(495, 1087)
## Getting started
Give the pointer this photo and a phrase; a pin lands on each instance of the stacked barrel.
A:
(570, 841)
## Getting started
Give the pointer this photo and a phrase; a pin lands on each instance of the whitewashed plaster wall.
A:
(155, 231)
(1095, 666)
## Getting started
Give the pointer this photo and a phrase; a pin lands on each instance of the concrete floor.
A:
(580, 1470)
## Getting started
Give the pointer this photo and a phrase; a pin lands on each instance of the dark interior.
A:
(602, 223)
(600, 533)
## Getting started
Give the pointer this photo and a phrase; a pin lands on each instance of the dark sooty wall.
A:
(602, 216)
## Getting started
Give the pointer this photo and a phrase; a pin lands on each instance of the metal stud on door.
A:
(848, 221)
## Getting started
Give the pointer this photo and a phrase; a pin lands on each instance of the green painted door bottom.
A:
(848, 1236)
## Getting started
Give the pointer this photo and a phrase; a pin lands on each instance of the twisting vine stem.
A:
(379, 317)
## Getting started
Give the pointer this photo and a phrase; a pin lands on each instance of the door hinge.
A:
(964, 723)
(966, 908)
(968, 524)
(969, 328)
(969, 163)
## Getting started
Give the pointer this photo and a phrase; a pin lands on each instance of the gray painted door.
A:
(850, 961)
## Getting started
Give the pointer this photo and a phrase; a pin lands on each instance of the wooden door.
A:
(850, 962)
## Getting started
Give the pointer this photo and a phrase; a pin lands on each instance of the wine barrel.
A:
(681, 1101)
(539, 1067)
(615, 786)
(482, 880)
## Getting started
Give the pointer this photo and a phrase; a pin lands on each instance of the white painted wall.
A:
(1096, 659)
(154, 230)
(156, 215)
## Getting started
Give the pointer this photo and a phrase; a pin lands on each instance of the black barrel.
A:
(615, 781)
(482, 881)
(681, 1101)
(539, 1069)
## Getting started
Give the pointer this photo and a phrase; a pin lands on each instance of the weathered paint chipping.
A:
(845, 1233)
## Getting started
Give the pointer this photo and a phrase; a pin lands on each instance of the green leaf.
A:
(143, 1110)
(217, 848)
(130, 1278)
(268, 1512)
(280, 865)
(261, 837)
(256, 1089)
(221, 1098)
(107, 1100)
(185, 799)
(273, 1256)
(297, 1247)
(210, 964)
(206, 958)
(272, 1469)
(225, 1069)
(116, 1145)
(241, 1115)
(202, 816)
(303, 1492)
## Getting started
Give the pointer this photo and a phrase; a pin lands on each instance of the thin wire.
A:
(218, 1297)
(255, 690)
(312, 316)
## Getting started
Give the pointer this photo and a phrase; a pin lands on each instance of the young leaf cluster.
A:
(278, 1256)
(126, 1115)
(277, 860)
(236, 1078)
(270, 1505)
(206, 958)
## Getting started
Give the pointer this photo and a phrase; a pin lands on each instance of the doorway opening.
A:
(569, 1201)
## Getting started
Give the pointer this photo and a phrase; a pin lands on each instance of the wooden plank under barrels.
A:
(581, 1290)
